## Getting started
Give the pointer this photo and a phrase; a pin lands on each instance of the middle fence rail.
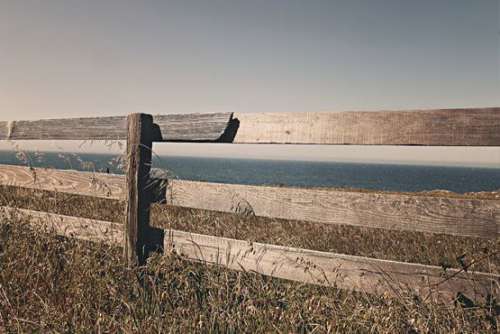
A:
(455, 214)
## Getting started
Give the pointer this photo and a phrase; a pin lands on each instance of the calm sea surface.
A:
(293, 173)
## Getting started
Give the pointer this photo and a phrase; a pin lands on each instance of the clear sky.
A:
(105, 57)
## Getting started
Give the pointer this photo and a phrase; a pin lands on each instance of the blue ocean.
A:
(389, 177)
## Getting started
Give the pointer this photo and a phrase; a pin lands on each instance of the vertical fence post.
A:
(139, 145)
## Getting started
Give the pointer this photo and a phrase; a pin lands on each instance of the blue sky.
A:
(87, 58)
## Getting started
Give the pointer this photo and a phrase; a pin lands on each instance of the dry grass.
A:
(417, 247)
(53, 284)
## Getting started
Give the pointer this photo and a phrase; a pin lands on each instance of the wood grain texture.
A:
(435, 214)
(343, 271)
(188, 127)
(68, 181)
(446, 127)
(139, 148)
(75, 227)
(456, 216)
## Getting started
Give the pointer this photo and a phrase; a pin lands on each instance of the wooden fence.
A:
(454, 214)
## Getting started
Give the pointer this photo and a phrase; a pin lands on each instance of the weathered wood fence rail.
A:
(451, 214)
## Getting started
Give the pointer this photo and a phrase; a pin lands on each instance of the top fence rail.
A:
(438, 127)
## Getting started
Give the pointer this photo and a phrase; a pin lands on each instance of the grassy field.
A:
(53, 284)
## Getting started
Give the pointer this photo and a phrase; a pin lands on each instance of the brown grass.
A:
(53, 284)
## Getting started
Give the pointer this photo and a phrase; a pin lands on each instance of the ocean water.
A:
(291, 173)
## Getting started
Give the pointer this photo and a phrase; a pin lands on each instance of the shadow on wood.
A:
(156, 133)
(153, 242)
(157, 186)
(230, 131)
(194, 132)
